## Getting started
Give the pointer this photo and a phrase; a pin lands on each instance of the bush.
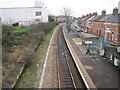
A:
(23, 36)
(12, 37)
(42, 27)
(7, 28)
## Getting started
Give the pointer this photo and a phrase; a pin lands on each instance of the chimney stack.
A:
(115, 11)
(103, 12)
(87, 15)
(95, 14)
(90, 14)
(83, 16)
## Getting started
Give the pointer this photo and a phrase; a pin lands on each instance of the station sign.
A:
(88, 42)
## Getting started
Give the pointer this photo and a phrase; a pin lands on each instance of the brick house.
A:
(113, 35)
(96, 26)
(84, 21)
(102, 24)
(110, 21)
(81, 22)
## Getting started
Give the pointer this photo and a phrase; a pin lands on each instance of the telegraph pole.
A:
(105, 29)
(104, 38)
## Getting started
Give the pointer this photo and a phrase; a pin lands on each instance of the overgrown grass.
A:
(20, 30)
(29, 77)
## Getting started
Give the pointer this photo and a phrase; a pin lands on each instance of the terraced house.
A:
(105, 25)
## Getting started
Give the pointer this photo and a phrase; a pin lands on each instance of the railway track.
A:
(68, 75)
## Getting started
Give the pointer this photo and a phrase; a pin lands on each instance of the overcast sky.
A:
(79, 7)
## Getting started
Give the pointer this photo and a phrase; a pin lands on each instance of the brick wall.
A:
(98, 29)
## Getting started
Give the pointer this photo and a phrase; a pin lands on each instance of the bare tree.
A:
(67, 11)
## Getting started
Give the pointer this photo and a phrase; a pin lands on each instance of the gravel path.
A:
(50, 79)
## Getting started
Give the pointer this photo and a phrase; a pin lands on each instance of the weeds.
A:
(17, 40)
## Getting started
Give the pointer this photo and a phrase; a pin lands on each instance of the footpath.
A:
(103, 74)
(49, 74)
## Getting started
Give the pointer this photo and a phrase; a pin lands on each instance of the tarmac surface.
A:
(102, 72)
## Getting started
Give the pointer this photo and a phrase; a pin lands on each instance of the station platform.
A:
(103, 74)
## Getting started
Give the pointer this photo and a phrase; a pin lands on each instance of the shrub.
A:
(7, 28)
(23, 36)
(42, 27)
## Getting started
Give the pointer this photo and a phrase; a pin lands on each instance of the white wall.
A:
(45, 15)
(0, 12)
(12, 15)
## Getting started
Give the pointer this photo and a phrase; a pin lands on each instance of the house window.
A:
(38, 13)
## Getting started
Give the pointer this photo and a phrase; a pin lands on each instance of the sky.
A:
(78, 7)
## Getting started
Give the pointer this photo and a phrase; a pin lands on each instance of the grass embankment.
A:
(29, 75)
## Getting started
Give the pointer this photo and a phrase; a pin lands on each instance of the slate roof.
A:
(110, 18)
(95, 18)
(101, 17)
(85, 19)
(104, 18)
(114, 18)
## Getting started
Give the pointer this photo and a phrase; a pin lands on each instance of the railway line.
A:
(68, 75)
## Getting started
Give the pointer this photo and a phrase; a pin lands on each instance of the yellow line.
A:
(78, 41)
(93, 52)
(79, 44)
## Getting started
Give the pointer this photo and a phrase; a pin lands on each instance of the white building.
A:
(119, 7)
(25, 15)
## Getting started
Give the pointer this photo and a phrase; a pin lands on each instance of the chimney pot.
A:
(103, 12)
(115, 11)
(95, 14)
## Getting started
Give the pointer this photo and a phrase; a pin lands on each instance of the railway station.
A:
(41, 50)
(78, 70)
